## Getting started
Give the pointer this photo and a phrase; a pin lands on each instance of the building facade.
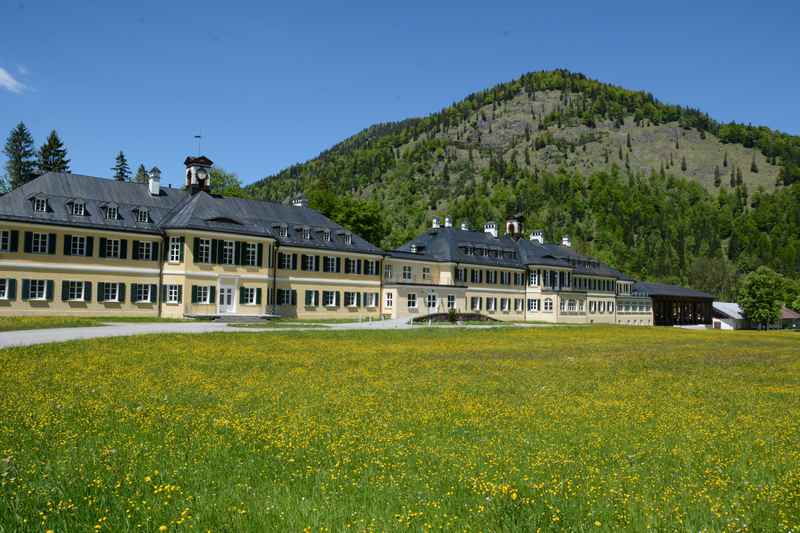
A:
(72, 244)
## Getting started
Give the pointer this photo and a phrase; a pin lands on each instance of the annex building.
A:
(73, 244)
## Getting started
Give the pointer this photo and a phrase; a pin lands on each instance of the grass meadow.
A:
(510, 429)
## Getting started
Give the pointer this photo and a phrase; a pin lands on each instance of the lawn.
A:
(14, 323)
(588, 429)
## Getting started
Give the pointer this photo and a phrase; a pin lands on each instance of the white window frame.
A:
(203, 251)
(411, 300)
(491, 304)
(37, 289)
(39, 243)
(426, 273)
(328, 263)
(610, 307)
(141, 289)
(203, 294)
(407, 273)
(113, 248)
(5, 240)
(371, 299)
(172, 294)
(350, 299)
(548, 305)
(110, 292)
(389, 300)
(40, 205)
(307, 234)
(142, 216)
(78, 209)
(348, 239)
(326, 235)
(370, 267)
(475, 303)
(76, 291)
(451, 301)
(519, 305)
(146, 250)
(431, 301)
(314, 297)
(112, 213)
(329, 298)
(251, 254)
(174, 249)
(77, 245)
(228, 252)
(4, 289)
(388, 271)
(283, 231)
(249, 295)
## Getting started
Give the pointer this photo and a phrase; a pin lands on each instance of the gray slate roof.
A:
(729, 309)
(662, 289)
(447, 245)
(171, 209)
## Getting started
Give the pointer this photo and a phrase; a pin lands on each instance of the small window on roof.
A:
(283, 231)
(306, 233)
(40, 205)
(348, 238)
(142, 215)
(112, 212)
(326, 235)
(78, 208)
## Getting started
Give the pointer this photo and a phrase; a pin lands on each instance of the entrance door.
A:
(226, 304)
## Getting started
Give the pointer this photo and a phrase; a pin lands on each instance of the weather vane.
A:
(197, 138)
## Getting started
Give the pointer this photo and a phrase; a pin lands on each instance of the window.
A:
(312, 298)
(348, 239)
(5, 241)
(326, 235)
(505, 304)
(112, 212)
(39, 243)
(451, 301)
(370, 299)
(406, 273)
(284, 261)
(475, 303)
(491, 276)
(329, 264)
(426, 273)
(37, 289)
(287, 297)
(610, 307)
(370, 268)
(228, 252)
(601, 307)
(389, 300)
(4, 289)
(74, 291)
(534, 305)
(519, 305)
(39, 206)
(350, 299)
(110, 292)
(251, 254)
(505, 278)
(491, 304)
(203, 251)
(475, 276)
(142, 215)
(431, 301)
(141, 292)
(548, 305)
(78, 208)
(461, 275)
(145, 250)
(283, 231)
(172, 294)
(412, 301)
(175, 248)
(112, 248)
(248, 295)
(387, 271)
(562, 305)
(329, 298)
(203, 295)
(580, 306)
(307, 233)
(77, 245)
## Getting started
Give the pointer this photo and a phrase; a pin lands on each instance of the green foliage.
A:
(226, 183)
(21, 162)
(52, 155)
(141, 175)
(760, 296)
(121, 170)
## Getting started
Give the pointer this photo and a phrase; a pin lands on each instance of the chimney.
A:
(300, 201)
(413, 248)
(448, 222)
(197, 173)
(538, 236)
(435, 224)
(464, 226)
(565, 241)
(154, 181)
(491, 228)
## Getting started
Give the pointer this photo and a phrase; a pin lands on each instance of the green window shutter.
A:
(260, 254)
(212, 294)
(153, 293)
(294, 261)
(156, 248)
(67, 244)
(28, 242)
(358, 299)
(123, 249)
(294, 297)
(358, 266)
(214, 249)
(237, 253)
(338, 264)
(180, 293)
(64, 290)
(12, 290)
(258, 296)
(163, 293)
(50, 290)
(309, 298)
(26, 289)
(101, 291)
(183, 244)
(101, 252)
(135, 250)
(14, 241)
(241, 295)
(87, 291)
(121, 291)
(194, 293)
(51, 244)
(195, 248)
(89, 246)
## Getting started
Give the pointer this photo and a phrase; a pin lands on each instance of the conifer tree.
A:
(52, 155)
(717, 177)
(725, 159)
(753, 165)
(21, 163)
(733, 178)
(141, 174)
(121, 170)
(628, 140)
(683, 164)
(739, 179)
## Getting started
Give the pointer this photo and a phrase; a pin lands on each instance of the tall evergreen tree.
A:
(141, 175)
(725, 159)
(683, 164)
(753, 165)
(53, 155)
(19, 149)
(628, 140)
(121, 170)
(717, 176)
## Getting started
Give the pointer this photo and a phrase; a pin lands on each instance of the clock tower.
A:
(198, 175)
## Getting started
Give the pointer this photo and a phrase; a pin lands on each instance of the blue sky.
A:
(269, 84)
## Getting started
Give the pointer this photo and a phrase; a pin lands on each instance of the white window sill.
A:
(172, 303)
(371, 306)
(352, 306)
(331, 307)
(142, 302)
(76, 300)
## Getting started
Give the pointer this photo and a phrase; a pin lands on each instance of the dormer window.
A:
(112, 212)
(283, 231)
(40, 205)
(326, 235)
(413, 248)
(307, 233)
(348, 239)
(143, 216)
(78, 208)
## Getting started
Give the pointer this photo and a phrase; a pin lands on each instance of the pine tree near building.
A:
(21, 163)
(141, 174)
(121, 170)
(53, 155)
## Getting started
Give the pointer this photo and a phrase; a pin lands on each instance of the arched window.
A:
(548, 304)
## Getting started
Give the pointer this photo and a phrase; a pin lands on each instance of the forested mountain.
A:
(659, 190)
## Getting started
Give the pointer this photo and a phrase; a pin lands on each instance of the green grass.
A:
(515, 429)
(15, 323)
